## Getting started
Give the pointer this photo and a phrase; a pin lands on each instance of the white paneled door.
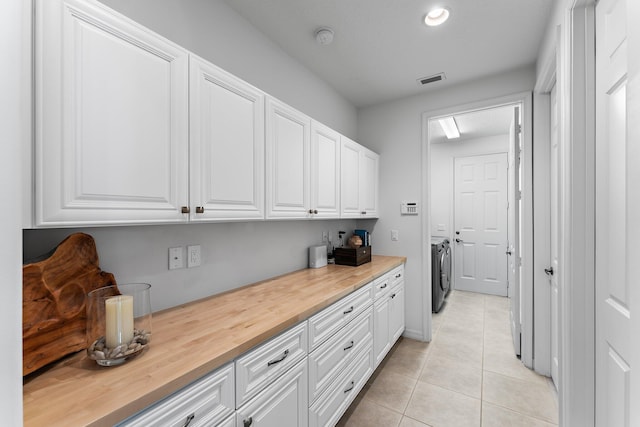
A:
(514, 212)
(616, 228)
(481, 223)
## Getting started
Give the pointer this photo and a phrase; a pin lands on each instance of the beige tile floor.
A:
(467, 376)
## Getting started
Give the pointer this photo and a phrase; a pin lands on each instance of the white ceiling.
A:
(475, 124)
(381, 47)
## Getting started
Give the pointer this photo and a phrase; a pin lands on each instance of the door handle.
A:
(549, 271)
(508, 252)
(459, 240)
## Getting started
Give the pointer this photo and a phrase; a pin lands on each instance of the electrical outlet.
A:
(175, 258)
(193, 256)
(325, 236)
(394, 235)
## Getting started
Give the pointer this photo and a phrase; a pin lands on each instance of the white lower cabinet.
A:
(306, 376)
(388, 312)
(259, 367)
(327, 361)
(396, 312)
(381, 342)
(207, 402)
(328, 409)
(283, 403)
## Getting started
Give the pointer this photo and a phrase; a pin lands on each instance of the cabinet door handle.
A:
(393, 296)
(310, 211)
(549, 271)
(188, 420)
(280, 359)
(363, 212)
(383, 286)
(399, 275)
(350, 387)
(199, 209)
(247, 422)
(315, 211)
(185, 209)
(350, 346)
(348, 311)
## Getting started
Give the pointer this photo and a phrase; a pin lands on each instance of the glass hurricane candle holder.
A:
(118, 322)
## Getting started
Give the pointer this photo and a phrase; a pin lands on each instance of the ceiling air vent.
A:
(431, 79)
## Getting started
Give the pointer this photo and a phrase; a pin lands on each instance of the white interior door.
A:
(480, 213)
(552, 271)
(513, 245)
(615, 194)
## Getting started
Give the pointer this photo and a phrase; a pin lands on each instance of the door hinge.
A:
(519, 261)
(518, 128)
(519, 195)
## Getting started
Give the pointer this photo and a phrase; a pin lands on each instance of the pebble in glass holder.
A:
(118, 322)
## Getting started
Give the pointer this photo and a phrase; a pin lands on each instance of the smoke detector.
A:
(324, 36)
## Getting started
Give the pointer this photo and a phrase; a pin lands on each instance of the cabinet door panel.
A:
(112, 125)
(325, 171)
(396, 313)
(227, 145)
(368, 183)
(349, 178)
(381, 344)
(288, 135)
(283, 403)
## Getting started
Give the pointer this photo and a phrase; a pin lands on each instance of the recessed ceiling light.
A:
(436, 16)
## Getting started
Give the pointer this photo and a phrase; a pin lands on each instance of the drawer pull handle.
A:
(273, 362)
(393, 296)
(349, 347)
(348, 311)
(185, 209)
(200, 209)
(248, 422)
(398, 275)
(350, 387)
(188, 420)
(383, 286)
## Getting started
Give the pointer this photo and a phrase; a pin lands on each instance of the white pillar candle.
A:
(119, 320)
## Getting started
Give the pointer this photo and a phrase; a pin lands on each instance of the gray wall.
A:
(233, 254)
(394, 130)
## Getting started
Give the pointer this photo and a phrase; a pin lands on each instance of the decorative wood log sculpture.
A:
(53, 301)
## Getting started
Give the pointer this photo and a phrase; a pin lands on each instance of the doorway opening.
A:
(476, 187)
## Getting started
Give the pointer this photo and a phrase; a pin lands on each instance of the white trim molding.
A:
(576, 94)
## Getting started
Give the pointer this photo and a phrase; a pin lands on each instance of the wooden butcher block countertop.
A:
(188, 342)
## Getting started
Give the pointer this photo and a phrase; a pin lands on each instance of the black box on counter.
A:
(353, 257)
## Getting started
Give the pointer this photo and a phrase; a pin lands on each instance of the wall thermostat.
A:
(409, 208)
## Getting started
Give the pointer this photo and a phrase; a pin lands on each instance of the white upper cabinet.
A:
(111, 119)
(287, 162)
(359, 180)
(226, 146)
(368, 183)
(325, 171)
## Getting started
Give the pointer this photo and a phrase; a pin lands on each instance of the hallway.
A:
(467, 376)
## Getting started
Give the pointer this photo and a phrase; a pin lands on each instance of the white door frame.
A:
(576, 102)
(526, 247)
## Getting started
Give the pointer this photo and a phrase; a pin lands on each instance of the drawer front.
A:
(330, 358)
(334, 317)
(208, 401)
(229, 422)
(381, 286)
(396, 275)
(282, 403)
(329, 408)
(261, 366)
